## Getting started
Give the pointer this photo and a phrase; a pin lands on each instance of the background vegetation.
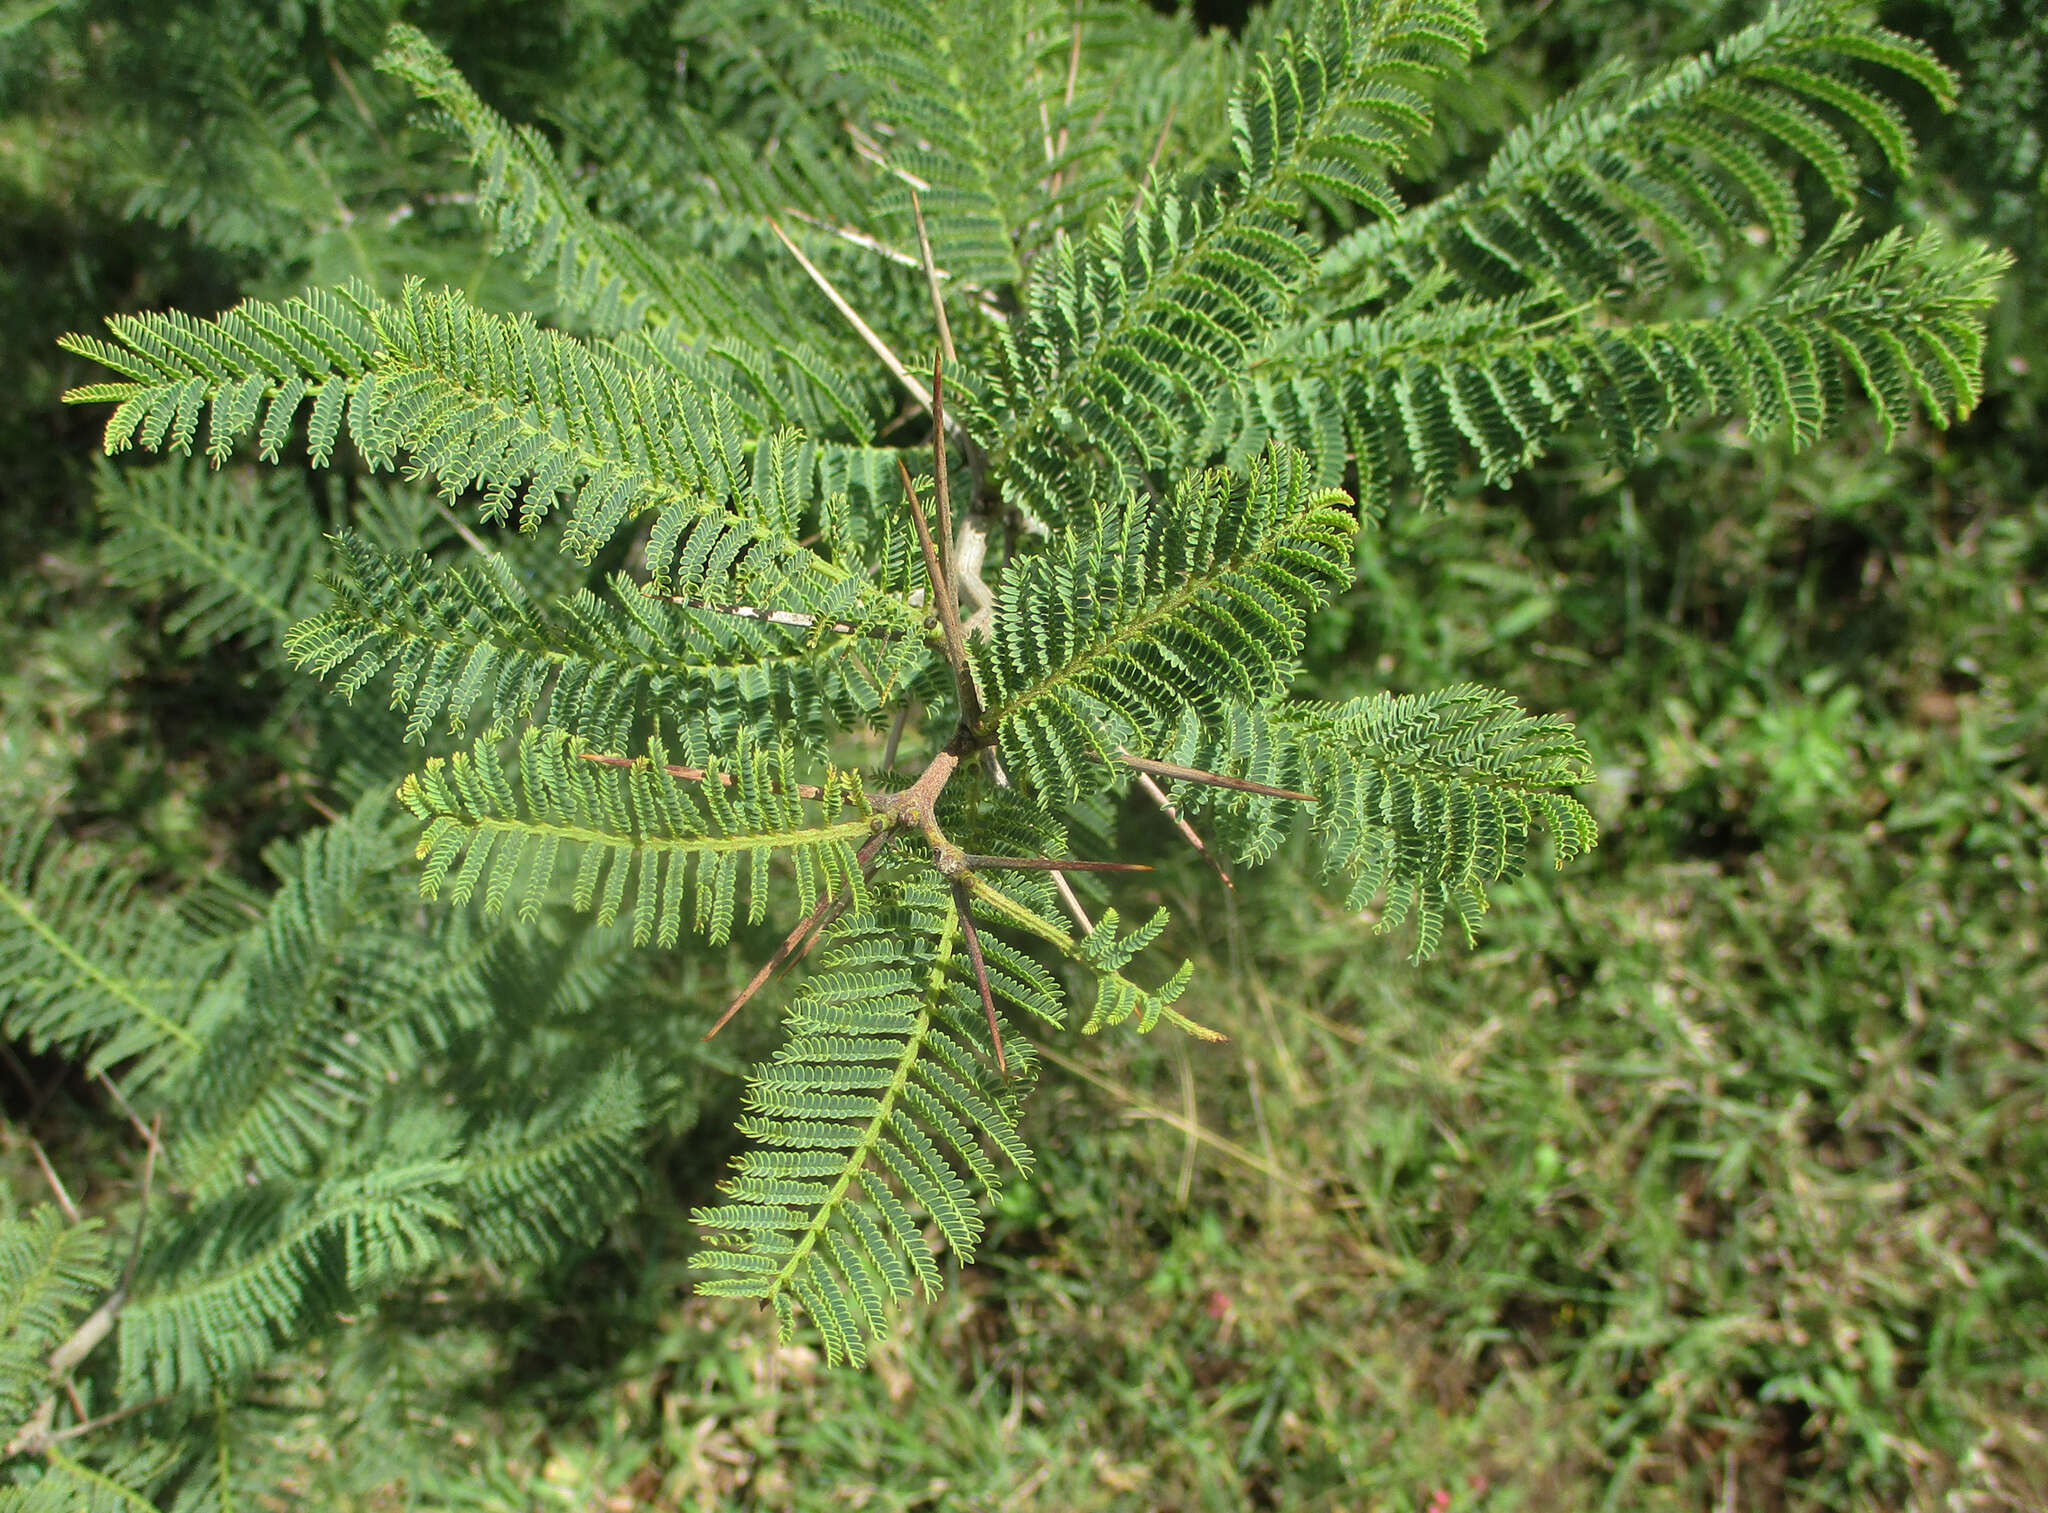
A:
(1710, 1180)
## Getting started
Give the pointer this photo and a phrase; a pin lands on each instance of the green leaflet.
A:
(1131, 340)
(1620, 178)
(1898, 322)
(1422, 800)
(52, 1273)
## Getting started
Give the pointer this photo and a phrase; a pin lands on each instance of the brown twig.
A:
(1152, 162)
(147, 1131)
(895, 740)
(35, 1436)
(963, 902)
(699, 775)
(942, 492)
(942, 590)
(784, 952)
(50, 1176)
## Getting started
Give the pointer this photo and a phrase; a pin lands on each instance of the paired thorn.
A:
(963, 902)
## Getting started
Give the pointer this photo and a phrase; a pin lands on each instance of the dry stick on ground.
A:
(147, 1131)
(35, 1436)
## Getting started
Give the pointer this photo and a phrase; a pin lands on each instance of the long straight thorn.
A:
(1210, 779)
(1192, 836)
(940, 488)
(963, 901)
(797, 944)
(933, 569)
(1046, 864)
(931, 278)
(861, 328)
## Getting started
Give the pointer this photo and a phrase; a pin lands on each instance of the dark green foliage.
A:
(51, 1275)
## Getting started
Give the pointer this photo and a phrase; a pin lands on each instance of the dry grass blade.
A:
(866, 332)
(1152, 163)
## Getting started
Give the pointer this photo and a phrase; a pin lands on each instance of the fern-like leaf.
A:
(1900, 321)
(1619, 178)
(459, 639)
(1422, 800)
(1129, 340)
(1109, 635)
(531, 1184)
(232, 549)
(88, 968)
(880, 1108)
(267, 1264)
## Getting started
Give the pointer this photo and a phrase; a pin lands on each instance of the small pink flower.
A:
(1218, 1304)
